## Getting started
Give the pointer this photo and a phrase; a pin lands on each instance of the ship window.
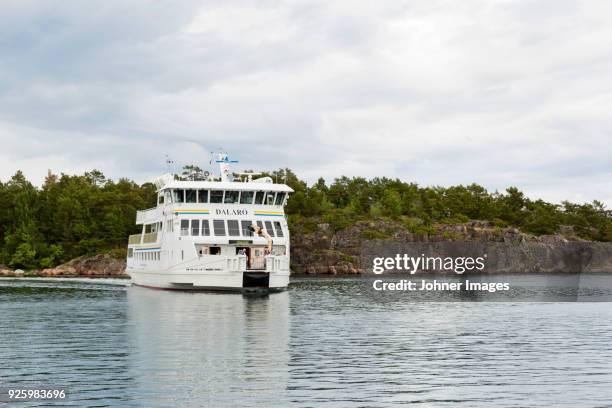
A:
(184, 227)
(231, 197)
(179, 196)
(270, 198)
(219, 227)
(160, 199)
(280, 197)
(260, 224)
(195, 227)
(259, 197)
(269, 228)
(130, 253)
(233, 228)
(278, 228)
(168, 196)
(246, 197)
(216, 196)
(246, 228)
(148, 228)
(215, 250)
(202, 196)
(191, 196)
(205, 228)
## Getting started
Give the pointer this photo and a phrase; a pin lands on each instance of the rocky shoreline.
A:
(349, 251)
(95, 266)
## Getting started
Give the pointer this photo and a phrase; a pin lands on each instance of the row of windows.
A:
(234, 228)
(222, 197)
(144, 256)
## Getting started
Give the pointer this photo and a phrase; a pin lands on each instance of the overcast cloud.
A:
(437, 92)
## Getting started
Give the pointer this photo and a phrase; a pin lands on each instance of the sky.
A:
(501, 93)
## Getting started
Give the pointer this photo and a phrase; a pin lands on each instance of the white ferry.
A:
(221, 233)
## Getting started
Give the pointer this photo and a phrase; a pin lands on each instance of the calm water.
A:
(322, 343)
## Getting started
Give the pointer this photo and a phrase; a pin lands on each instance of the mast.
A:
(224, 166)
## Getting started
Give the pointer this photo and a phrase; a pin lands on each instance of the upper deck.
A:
(223, 197)
(227, 185)
(183, 197)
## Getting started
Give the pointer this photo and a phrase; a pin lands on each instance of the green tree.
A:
(192, 172)
(392, 204)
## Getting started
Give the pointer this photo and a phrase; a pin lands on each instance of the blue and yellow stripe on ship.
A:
(196, 212)
(269, 213)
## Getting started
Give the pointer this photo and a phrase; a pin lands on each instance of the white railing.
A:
(257, 263)
(276, 263)
(237, 263)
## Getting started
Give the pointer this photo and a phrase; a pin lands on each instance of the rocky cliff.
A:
(507, 250)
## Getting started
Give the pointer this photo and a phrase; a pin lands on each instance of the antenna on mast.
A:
(169, 165)
(222, 158)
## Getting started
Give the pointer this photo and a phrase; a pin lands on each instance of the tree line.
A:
(348, 200)
(74, 215)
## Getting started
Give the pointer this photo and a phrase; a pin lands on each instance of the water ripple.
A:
(322, 343)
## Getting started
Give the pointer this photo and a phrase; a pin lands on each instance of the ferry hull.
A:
(245, 280)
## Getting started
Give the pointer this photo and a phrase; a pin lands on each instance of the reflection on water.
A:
(322, 343)
(216, 348)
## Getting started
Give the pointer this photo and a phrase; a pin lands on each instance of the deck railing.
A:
(134, 239)
(258, 263)
(149, 238)
(276, 263)
(237, 263)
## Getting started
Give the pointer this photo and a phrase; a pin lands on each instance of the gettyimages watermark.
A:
(412, 264)
(477, 271)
